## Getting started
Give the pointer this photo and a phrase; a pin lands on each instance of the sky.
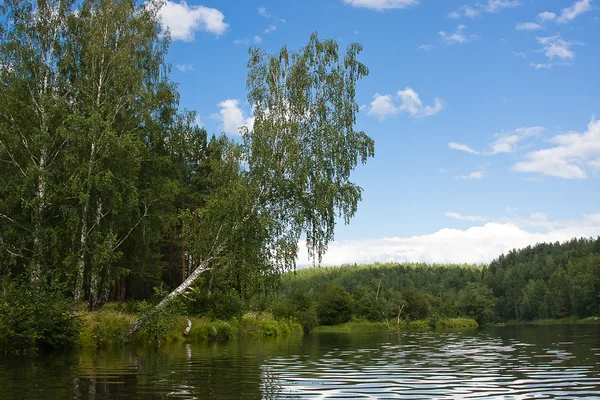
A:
(483, 114)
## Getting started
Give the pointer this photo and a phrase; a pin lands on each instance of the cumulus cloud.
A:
(477, 244)
(457, 37)
(426, 47)
(382, 4)
(406, 100)
(257, 39)
(570, 13)
(572, 157)
(461, 147)
(566, 15)
(183, 20)
(233, 117)
(555, 48)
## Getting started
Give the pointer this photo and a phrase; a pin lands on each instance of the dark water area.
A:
(505, 362)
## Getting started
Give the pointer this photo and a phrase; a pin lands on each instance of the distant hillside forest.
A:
(545, 281)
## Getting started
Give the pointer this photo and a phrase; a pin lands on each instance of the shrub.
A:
(334, 305)
(33, 316)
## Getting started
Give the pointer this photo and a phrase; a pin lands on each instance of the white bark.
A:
(137, 325)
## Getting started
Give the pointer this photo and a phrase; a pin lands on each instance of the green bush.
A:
(35, 317)
(334, 305)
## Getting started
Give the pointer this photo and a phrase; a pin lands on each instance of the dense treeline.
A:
(97, 161)
(545, 281)
(550, 280)
(110, 192)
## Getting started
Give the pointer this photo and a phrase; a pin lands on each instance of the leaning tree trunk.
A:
(139, 324)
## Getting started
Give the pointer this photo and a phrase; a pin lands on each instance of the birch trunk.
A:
(139, 324)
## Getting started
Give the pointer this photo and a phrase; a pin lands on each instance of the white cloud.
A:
(456, 37)
(528, 26)
(257, 39)
(382, 4)
(183, 20)
(507, 141)
(262, 11)
(492, 6)
(461, 147)
(570, 13)
(477, 244)
(184, 67)
(546, 16)
(541, 66)
(271, 28)
(406, 100)
(233, 117)
(572, 156)
(472, 218)
(472, 175)
(496, 5)
(556, 47)
(465, 10)
(426, 47)
(241, 41)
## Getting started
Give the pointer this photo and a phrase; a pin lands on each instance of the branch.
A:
(12, 158)
(146, 207)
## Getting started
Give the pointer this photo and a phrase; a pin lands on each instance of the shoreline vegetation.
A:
(114, 198)
(107, 327)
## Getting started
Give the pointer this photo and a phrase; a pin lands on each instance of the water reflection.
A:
(511, 362)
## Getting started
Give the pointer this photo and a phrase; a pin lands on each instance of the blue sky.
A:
(483, 113)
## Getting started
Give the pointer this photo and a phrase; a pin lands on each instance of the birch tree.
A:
(290, 174)
(33, 103)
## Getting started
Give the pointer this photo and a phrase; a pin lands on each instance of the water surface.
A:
(508, 362)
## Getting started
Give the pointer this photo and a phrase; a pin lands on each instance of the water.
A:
(509, 362)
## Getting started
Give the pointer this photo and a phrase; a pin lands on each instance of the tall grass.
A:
(107, 326)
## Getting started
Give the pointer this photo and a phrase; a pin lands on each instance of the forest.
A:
(546, 281)
(110, 194)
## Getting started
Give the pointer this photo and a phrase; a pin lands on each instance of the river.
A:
(502, 362)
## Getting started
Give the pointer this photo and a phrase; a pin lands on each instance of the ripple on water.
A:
(441, 366)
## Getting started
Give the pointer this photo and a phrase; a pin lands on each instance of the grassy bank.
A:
(425, 324)
(107, 328)
(549, 321)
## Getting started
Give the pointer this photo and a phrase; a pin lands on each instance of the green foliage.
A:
(105, 327)
(453, 323)
(334, 305)
(157, 324)
(478, 302)
(34, 317)
(297, 306)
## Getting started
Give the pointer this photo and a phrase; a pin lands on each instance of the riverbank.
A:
(425, 324)
(107, 328)
(549, 321)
